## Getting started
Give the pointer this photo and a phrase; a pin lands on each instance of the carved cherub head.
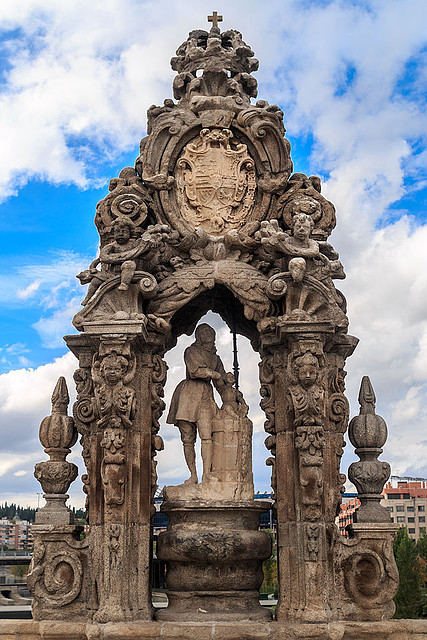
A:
(123, 229)
(113, 368)
(306, 370)
(302, 226)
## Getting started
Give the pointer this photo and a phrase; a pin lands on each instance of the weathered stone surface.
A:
(214, 553)
(57, 433)
(211, 218)
(225, 433)
(385, 630)
(368, 433)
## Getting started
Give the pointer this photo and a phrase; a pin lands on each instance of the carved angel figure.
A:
(307, 396)
(299, 246)
(115, 399)
(121, 255)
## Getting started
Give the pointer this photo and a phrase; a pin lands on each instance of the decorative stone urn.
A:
(214, 552)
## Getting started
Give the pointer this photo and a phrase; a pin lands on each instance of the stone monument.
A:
(212, 218)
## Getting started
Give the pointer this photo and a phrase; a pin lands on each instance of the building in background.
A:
(350, 502)
(15, 534)
(406, 500)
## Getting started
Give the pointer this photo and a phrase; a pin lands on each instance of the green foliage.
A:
(269, 568)
(19, 570)
(10, 511)
(422, 546)
(409, 598)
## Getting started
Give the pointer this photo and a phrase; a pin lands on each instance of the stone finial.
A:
(368, 433)
(57, 434)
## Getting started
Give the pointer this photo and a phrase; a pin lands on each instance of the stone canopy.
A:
(212, 217)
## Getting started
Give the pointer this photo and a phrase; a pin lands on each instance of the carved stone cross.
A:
(214, 18)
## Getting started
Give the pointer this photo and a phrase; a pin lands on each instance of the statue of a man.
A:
(193, 406)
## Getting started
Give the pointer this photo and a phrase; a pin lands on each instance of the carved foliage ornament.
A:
(215, 182)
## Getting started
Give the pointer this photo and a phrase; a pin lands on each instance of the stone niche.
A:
(212, 217)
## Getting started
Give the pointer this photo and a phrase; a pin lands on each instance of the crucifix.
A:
(214, 18)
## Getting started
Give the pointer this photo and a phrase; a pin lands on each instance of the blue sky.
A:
(76, 79)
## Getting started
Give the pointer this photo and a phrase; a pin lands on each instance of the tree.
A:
(269, 568)
(19, 570)
(409, 596)
(422, 553)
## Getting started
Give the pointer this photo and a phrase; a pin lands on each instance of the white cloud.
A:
(51, 328)
(30, 290)
(9, 461)
(25, 399)
(27, 392)
(78, 90)
(16, 348)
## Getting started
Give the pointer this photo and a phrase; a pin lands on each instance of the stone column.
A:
(310, 416)
(58, 576)
(114, 415)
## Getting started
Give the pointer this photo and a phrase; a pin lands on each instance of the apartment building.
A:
(406, 500)
(350, 502)
(15, 534)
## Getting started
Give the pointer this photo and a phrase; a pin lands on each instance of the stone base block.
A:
(54, 630)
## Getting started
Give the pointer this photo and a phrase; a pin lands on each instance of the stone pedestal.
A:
(54, 630)
(214, 552)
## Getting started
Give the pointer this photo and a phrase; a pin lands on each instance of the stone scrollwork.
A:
(267, 404)
(55, 577)
(158, 381)
(84, 416)
(369, 579)
(128, 198)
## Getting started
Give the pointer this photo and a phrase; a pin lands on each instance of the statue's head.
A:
(307, 369)
(302, 225)
(205, 334)
(113, 367)
(123, 229)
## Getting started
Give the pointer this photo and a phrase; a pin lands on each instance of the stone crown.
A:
(214, 51)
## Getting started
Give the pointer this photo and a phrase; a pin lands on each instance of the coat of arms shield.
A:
(215, 182)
